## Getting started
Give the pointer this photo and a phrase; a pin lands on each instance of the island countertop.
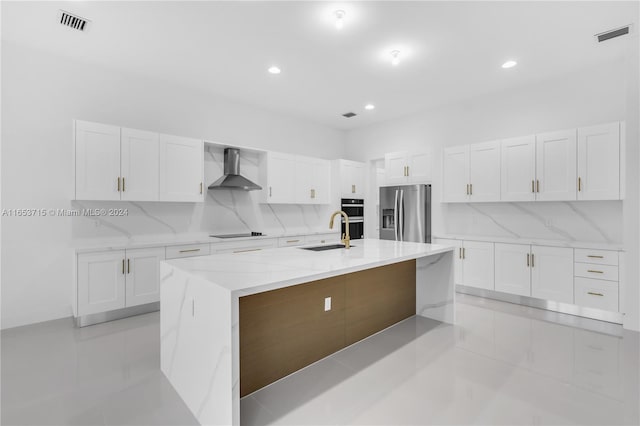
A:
(257, 271)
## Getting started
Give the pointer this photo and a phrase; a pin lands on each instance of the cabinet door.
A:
(556, 166)
(101, 281)
(395, 167)
(352, 179)
(457, 257)
(599, 162)
(420, 167)
(477, 264)
(455, 174)
(320, 181)
(281, 178)
(513, 272)
(181, 169)
(140, 165)
(552, 273)
(518, 169)
(484, 171)
(143, 275)
(303, 180)
(97, 156)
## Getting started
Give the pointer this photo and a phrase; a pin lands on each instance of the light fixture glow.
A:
(340, 14)
(395, 57)
(274, 70)
(509, 64)
(369, 107)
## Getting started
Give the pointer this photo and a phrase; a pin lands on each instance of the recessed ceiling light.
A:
(369, 107)
(509, 64)
(339, 14)
(274, 70)
(395, 57)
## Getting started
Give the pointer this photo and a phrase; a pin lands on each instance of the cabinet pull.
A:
(201, 187)
(464, 254)
(244, 251)
(527, 259)
(353, 189)
(532, 262)
(470, 189)
(128, 266)
(467, 189)
(533, 186)
(123, 266)
(269, 191)
(594, 256)
(537, 185)
(292, 241)
(408, 171)
(118, 183)
(594, 271)
(579, 184)
(193, 307)
(460, 253)
(313, 193)
(595, 294)
(189, 250)
(123, 186)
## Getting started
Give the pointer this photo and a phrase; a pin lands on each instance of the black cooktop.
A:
(251, 234)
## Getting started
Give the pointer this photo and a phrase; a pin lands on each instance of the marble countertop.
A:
(255, 272)
(536, 241)
(99, 244)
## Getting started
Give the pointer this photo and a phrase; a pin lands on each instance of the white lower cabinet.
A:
(599, 294)
(513, 272)
(457, 257)
(478, 264)
(243, 246)
(118, 279)
(552, 273)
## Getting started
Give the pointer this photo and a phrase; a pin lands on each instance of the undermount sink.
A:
(325, 247)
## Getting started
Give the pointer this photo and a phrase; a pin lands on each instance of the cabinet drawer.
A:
(595, 271)
(291, 241)
(242, 246)
(597, 294)
(187, 250)
(322, 238)
(600, 257)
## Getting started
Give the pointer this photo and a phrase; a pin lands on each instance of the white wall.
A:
(592, 96)
(41, 96)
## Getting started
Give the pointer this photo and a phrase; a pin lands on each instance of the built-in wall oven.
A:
(354, 208)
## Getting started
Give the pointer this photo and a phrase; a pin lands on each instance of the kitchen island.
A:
(232, 323)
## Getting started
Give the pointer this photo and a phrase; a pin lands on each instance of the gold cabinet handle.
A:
(533, 186)
(595, 294)
(408, 171)
(470, 189)
(528, 259)
(118, 183)
(353, 189)
(244, 251)
(123, 266)
(189, 250)
(467, 189)
(313, 193)
(464, 254)
(292, 241)
(460, 253)
(123, 186)
(532, 262)
(579, 184)
(270, 192)
(201, 187)
(594, 271)
(594, 256)
(537, 185)
(128, 266)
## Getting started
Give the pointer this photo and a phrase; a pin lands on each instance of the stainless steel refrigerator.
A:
(405, 213)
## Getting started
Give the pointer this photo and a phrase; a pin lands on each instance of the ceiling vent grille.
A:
(608, 35)
(349, 114)
(72, 21)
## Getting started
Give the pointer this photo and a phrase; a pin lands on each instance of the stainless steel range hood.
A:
(231, 178)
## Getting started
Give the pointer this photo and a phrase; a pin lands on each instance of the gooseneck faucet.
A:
(346, 240)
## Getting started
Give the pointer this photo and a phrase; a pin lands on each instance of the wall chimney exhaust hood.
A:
(231, 178)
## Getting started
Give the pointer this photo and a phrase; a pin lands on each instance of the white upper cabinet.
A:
(599, 162)
(407, 167)
(556, 166)
(484, 171)
(552, 273)
(455, 174)
(181, 169)
(293, 179)
(518, 169)
(139, 165)
(97, 158)
(350, 178)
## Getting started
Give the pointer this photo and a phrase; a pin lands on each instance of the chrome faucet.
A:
(346, 240)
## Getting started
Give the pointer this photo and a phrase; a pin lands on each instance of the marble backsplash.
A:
(567, 221)
(223, 211)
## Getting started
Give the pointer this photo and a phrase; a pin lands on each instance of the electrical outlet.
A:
(327, 304)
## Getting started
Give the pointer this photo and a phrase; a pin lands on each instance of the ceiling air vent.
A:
(349, 114)
(72, 21)
(608, 35)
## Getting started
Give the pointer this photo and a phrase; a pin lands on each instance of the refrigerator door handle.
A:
(401, 215)
(395, 215)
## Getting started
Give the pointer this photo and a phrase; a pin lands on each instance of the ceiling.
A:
(450, 51)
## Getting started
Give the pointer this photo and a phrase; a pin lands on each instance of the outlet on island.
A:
(327, 304)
